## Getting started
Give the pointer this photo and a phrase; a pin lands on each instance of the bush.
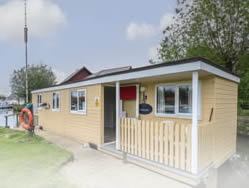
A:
(18, 108)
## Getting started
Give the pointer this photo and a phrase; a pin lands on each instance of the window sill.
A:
(180, 116)
(55, 110)
(78, 113)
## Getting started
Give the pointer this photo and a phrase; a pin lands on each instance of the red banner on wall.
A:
(128, 93)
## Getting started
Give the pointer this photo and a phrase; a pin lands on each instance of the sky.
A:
(67, 35)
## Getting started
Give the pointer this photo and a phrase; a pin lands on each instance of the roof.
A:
(177, 66)
(109, 71)
(75, 73)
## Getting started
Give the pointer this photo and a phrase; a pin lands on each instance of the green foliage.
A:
(18, 108)
(39, 76)
(2, 97)
(214, 29)
(216, 25)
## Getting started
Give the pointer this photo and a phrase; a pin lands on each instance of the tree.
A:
(215, 29)
(2, 97)
(39, 76)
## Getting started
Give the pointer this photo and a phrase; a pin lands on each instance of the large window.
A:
(78, 101)
(39, 100)
(56, 102)
(175, 100)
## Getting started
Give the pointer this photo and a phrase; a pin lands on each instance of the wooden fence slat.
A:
(129, 136)
(188, 165)
(176, 146)
(151, 140)
(171, 145)
(166, 144)
(139, 138)
(120, 136)
(143, 138)
(161, 143)
(156, 142)
(183, 146)
(147, 139)
(132, 136)
(135, 144)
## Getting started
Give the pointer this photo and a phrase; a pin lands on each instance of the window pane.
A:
(74, 100)
(57, 100)
(54, 100)
(166, 99)
(82, 101)
(39, 99)
(185, 99)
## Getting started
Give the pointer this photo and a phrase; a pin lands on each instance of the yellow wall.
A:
(129, 106)
(84, 128)
(207, 100)
(226, 96)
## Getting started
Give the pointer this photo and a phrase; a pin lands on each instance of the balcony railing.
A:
(164, 142)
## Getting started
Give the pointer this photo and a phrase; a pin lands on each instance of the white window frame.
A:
(177, 114)
(82, 112)
(56, 109)
(39, 101)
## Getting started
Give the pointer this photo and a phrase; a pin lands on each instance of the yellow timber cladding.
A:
(217, 93)
(82, 127)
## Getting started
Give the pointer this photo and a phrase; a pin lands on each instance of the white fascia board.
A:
(195, 66)
(159, 71)
(213, 70)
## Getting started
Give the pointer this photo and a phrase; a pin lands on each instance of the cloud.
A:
(60, 75)
(44, 19)
(143, 30)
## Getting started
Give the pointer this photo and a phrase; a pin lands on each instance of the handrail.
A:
(10, 115)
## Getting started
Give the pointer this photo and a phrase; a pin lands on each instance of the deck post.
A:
(117, 113)
(194, 161)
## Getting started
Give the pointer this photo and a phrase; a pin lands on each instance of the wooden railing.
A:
(163, 142)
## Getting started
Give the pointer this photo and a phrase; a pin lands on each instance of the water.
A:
(11, 119)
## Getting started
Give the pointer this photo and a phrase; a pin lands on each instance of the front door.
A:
(109, 114)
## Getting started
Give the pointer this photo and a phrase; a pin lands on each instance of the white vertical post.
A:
(117, 113)
(195, 90)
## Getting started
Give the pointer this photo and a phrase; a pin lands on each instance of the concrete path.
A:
(94, 169)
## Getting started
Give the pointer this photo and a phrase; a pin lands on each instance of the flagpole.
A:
(26, 50)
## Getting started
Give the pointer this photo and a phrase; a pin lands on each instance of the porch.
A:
(182, 145)
(165, 145)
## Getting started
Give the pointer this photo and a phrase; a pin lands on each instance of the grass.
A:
(243, 112)
(30, 161)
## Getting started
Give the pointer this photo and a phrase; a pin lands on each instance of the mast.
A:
(26, 50)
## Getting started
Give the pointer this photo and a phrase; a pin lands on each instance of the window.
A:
(56, 101)
(39, 100)
(185, 99)
(175, 100)
(78, 101)
(166, 99)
